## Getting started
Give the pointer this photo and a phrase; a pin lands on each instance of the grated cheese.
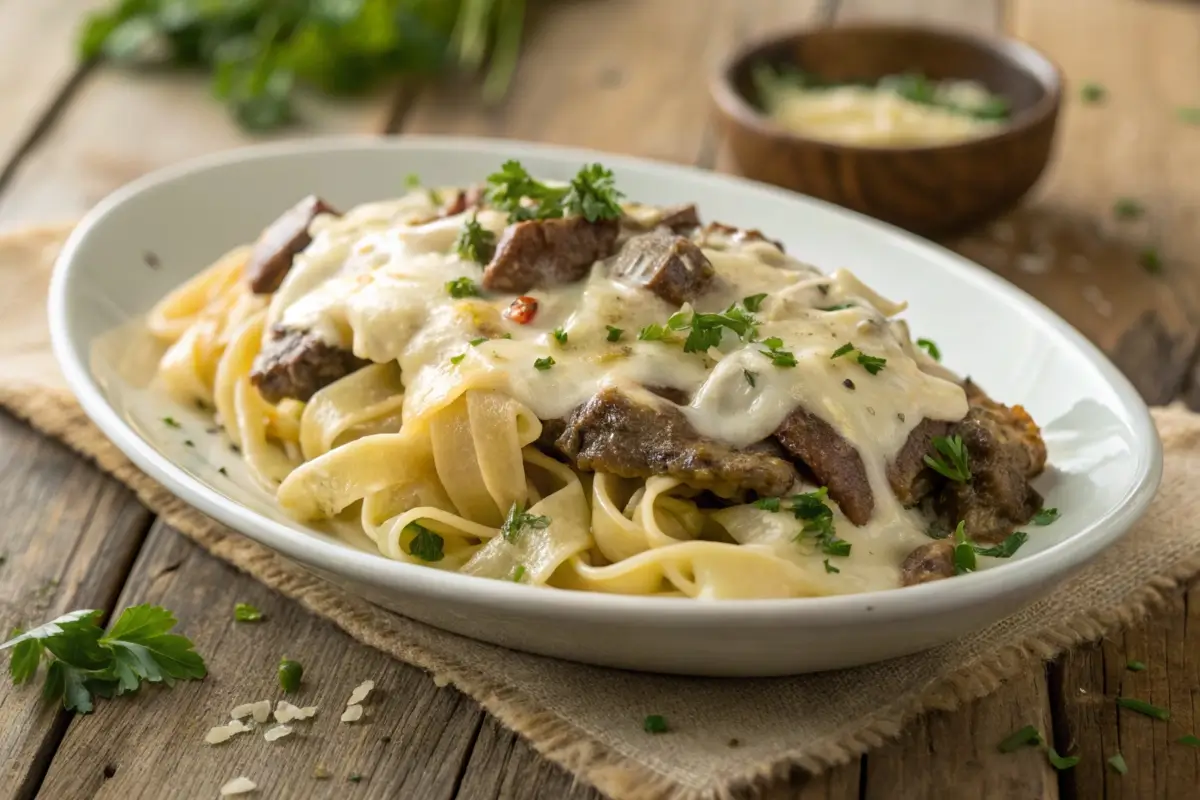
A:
(360, 693)
(240, 785)
(277, 732)
(352, 714)
(223, 733)
(440, 682)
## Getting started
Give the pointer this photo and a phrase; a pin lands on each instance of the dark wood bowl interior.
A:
(929, 189)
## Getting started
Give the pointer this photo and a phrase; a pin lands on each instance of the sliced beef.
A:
(614, 434)
(1005, 449)
(547, 252)
(833, 461)
(908, 475)
(682, 219)
(929, 562)
(280, 242)
(298, 363)
(737, 234)
(671, 266)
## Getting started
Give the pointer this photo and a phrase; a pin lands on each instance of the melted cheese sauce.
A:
(375, 280)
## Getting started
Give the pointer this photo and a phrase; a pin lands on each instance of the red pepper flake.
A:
(522, 310)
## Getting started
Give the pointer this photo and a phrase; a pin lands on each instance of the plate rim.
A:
(378, 571)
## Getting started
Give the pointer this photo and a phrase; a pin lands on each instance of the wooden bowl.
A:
(928, 189)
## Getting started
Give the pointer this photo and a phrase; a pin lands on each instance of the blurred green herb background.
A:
(260, 51)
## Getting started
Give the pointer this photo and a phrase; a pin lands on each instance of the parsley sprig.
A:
(779, 357)
(475, 242)
(83, 661)
(817, 518)
(590, 194)
(425, 544)
(519, 520)
(462, 287)
(706, 330)
(950, 458)
(872, 364)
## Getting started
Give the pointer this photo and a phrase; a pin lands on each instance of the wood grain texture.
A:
(68, 539)
(410, 743)
(983, 16)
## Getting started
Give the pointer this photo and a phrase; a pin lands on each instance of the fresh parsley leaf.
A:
(144, 649)
(1092, 93)
(964, 553)
(1060, 762)
(810, 508)
(1045, 516)
(1135, 666)
(412, 181)
(560, 336)
(170, 422)
(543, 364)
(475, 242)
(614, 334)
(1151, 261)
(750, 377)
(754, 302)
(518, 521)
(510, 188)
(477, 342)
(929, 346)
(1118, 764)
(1025, 737)
(1127, 208)
(848, 347)
(654, 333)
(950, 458)
(655, 723)
(244, 612)
(456, 360)
(592, 195)
(830, 568)
(1190, 740)
(767, 503)
(837, 307)
(872, 364)
(26, 656)
(1142, 707)
(462, 287)
(779, 357)
(518, 573)
(1011, 544)
(74, 637)
(425, 545)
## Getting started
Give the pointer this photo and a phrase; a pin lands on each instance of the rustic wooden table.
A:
(626, 76)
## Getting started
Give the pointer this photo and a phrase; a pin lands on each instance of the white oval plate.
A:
(1105, 455)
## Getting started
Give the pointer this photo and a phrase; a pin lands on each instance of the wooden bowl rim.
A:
(742, 112)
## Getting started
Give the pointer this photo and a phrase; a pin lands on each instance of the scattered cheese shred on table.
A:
(360, 693)
(244, 710)
(440, 682)
(352, 714)
(261, 711)
(223, 733)
(277, 732)
(286, 712)
(241, 785)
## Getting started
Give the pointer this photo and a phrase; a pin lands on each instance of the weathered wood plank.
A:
(411, 742)
(68, 539)
(980, 15)
(37, 46)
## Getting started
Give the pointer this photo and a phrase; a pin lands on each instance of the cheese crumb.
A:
(277, 732)
(352, 714)
(244, 710)
(360, 693)
(241, 785)
(223, 733)
(262, 711)
(286, 712)
(440, 682)
(308, 712)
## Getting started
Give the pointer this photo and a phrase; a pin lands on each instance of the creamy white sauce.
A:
(375, 280)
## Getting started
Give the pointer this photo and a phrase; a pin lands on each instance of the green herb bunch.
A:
(258, 51)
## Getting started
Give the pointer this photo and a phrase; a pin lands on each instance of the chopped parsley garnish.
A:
(1127, 208)
(929, 346)
(1092, 92)
(244, 612)
(518, 573)
(560, 335)
(544, 364)
(1189, 115)
(754, 302)
(188, 443)
(655, 723)
(654, 333)
(837, 307)
(477, 342)
(1190, 740)
(848, 347)
(591, 194)
(355, 778)
(1117, 762)
(290, 674)
(872, 364)
(170, 422)
(810, 508)
(830, 568)
(1142, 707)
(950, 458)
(614, 334)
(412, 181)
(751, 377)
(704, 330)
(964, 553)
(518, 521)
(779, 357)
(456, 360)
(425, 545)
(462, 287)
(1045, 516)
(223, 471)
(475, 242)
(1025, 737)
(83, 661)
(1151, 261)
(767, 503)
(1135, 666)
(1060, 762)
(1011, 544)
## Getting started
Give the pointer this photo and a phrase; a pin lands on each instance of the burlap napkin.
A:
(589, 719)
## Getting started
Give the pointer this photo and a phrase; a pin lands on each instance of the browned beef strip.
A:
(1005, 449)
(738, 234)
(682, 219)
(614, 434)
(280, 242)
(833, 461)
(908, 475)
(929, 562)
(298, 363)
(547, 252)
(671, 266)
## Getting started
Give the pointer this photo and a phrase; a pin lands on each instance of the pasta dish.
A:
(548, 384)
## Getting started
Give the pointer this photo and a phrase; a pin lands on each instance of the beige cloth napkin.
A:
(589, 719)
